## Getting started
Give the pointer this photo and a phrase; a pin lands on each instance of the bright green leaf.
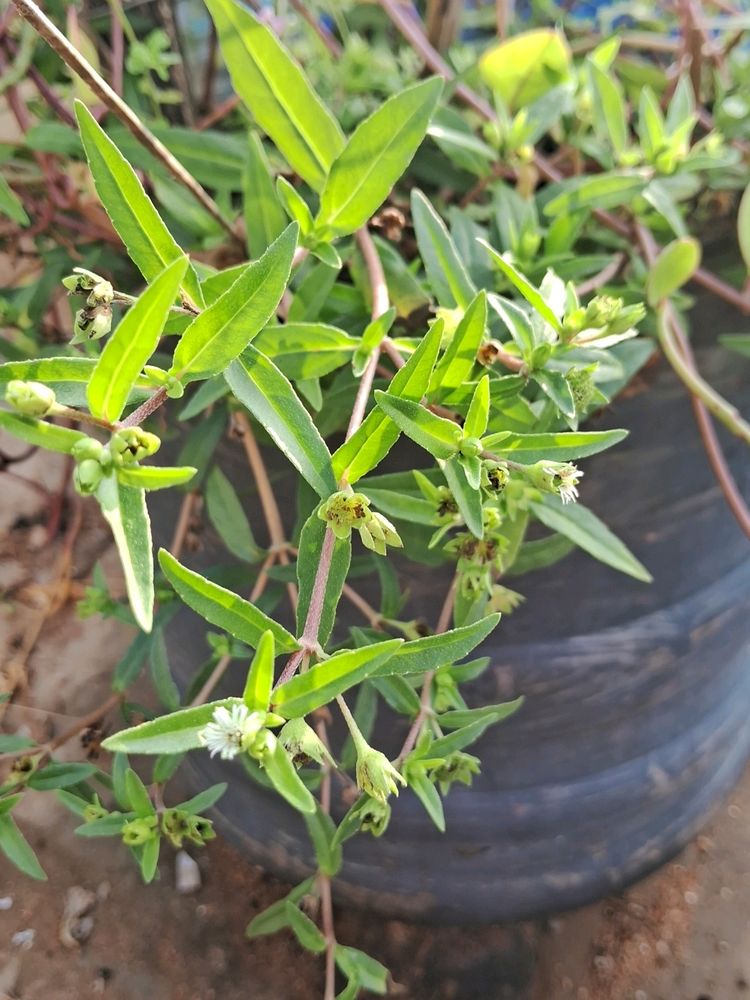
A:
(672, 268)
(169, 734)
(446, 273)
(124, 509)
(257, 693)
(435, 434)
(154, 477)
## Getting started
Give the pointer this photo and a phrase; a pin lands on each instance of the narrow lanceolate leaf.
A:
(434, 651)
(468, 499)
(228, 517)
(124, 508)
(429, 796)
(479, 409)
(308, 560)
(277, 92)
(584, 528)
(173, 733)
(672, 268)
(268, 395)
(10, 204)
(257, 693)
(133, 343)
(369, 445)
(460, 717)
(17, 850)
(216, 337)
(40, 433)
(67, 377)
(140, 227)
(446, 273)
(284, 778)
(460, 356)
(435, 434)
(306, 350)
(154, 477)
(376, 155)
(265, 219)
(306, 692)
(562, 447)
(223, 608)
(532, 295)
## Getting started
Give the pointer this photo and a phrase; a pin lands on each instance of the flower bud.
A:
(377, 532)
(100, 295)
(374, 817)
(131, 444)
(495, 476)
(175, 388)
(86, 476)
(458, 766)
(582, 387)
(33, 399)
(89, 447)
(470, 447)
(302, 743)
(504, 599)
(343, 511)
(94, 810)
(81, 281)
(175, 826)
(92, 323)
(555, 477)
(200, 830)
(602, 310)
(376, 775)
(138, 831)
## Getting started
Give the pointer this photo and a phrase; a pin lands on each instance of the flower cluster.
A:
(94, 320)
(234, 731)
(347, 510)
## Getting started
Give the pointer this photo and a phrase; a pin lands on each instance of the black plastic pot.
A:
(635, 724)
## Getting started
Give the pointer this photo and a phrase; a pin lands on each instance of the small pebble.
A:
(662, 949)
(187, 874)
(691, 898)
(726, 893)
(102, 891)
(6, 902)
(604, 963)
(724, 947)
(76, 924)
(24, 939)
(734, 812)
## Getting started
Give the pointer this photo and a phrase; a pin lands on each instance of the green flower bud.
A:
(495, 476)
(33, 399)
(92, 323)
(175, 825)
(504, 600)
(374, 817)
(94, 810)
(602, 310)
(87, 447)
(86, 476)
(175, 388)
(470, 447)
(555, 477)
(343, 511)
(377, 532)
(529, 244)
(138, 831)
(582, 387)
(376, 775)
(81, 281)
(131, 444)
(459, 766)
(445, 695)
(101, 295)
(200, 830)
(302, 743)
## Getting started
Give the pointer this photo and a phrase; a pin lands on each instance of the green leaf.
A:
(66, 376)
(274, 917)
(204, 800)
(435, 434)
(539, 554)
(60, 775)
(356, 965)
(138, 797)
(11, 205)
(446, 273)
(456, 364)
(265, 219)
(739, 342)
(458, 718)
(469, 500)
(304, 929)
(284, 778)
(161, 675)
(672, 268)
(523, 68)
(131, 662)
(557, 388)
(124, 509)
(532, 295)
(377, 154)
(517, 321)
(277, 92)
(257, 693)
(306, 350)
(461, 738)
(150, 859)
(107, 826)
(610, 120)
(372, 338)
(222, 608)
(608, 190)
(295, 205)
(132, 344)
(743, 227)
(369, 445)
(16, 848)
(223, 330)
(228, 517)
(308, 560)
(319, 685)
(260, 386)
(40, 433)
(322, 831)
(169, 734)
(561, 447)
(584, 528)
(433, 651)
(148, 241)
(154, 477)
(9, 742)
(479, 409)
(428, 795)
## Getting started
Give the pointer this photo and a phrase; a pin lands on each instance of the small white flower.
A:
(230, 731)
(564, 478)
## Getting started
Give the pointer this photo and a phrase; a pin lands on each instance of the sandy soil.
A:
(682, 934)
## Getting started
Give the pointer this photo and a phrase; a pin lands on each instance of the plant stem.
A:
(144, 411)
(29, 10)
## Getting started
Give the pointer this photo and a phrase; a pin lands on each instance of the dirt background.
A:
(682, 934)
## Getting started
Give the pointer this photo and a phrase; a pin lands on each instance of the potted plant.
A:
(428, 321)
